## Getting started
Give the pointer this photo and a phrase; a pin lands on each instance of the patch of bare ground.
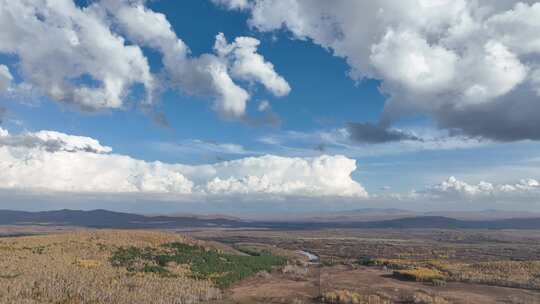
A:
(274, 288)
(366, 281)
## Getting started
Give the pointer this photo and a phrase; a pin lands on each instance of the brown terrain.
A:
(479, 266)
(278, 288)
(374, 266)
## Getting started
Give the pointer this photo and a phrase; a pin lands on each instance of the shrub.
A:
(420, 274)
(439, 283)
(367, 261)
(518, 274)
(349, 297)
(297, 273)
(222, 269)
(424, 298)
(390, 263)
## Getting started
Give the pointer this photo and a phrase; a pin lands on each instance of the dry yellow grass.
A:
(74, 268)
(350, 297)
(521, 274)
(424, 298)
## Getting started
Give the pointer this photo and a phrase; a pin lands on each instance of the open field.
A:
(235, 266)
(456, 266)
(119, 267)
(413, 244)
(374, 283)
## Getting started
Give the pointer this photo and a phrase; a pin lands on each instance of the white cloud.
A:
(34, 169)
(92, 56)
(56, 164)
(458, 195)
(233, 4)
(408, 59)
(518, 27)
(494, 72)
(230, 98)
(52, 141)
(465, 63)
(146, 27)
(452, 188)
(324, 175)
(455, 186)
(5, 77)
(81, 164)
(204, 75)
(74, 44)
(246, 64)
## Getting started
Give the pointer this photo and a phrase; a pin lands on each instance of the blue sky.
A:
(418, 119)
(317, 78)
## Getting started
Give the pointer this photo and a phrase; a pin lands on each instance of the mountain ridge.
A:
(101, 218)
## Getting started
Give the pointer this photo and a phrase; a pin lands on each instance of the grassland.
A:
(410, 266)
(118, 267)
(516, 274)
(506, 273)
(246, 267)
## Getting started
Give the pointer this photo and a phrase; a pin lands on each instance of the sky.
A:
(269, 106)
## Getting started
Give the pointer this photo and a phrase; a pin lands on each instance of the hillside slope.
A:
(119, 267)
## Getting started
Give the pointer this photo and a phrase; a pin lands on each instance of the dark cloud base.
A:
(376, 133)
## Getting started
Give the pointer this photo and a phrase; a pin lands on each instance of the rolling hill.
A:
(109, 219)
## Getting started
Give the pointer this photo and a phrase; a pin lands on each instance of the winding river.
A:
(312, 257)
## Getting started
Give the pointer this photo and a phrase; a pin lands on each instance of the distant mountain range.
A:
(374, 214)
(110, 219)
(107, 219)
(356, 215)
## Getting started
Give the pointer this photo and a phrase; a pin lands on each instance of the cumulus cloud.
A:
(324, 175)
(59, 162)
(405, 57)
(74, 44)
(5, 77)
(455, 194)
(93, 56)
(517, 27)
(207, 74)
(52, 141)
(375, 133)
(453, 187)
(203, 75)
(471, 65)
(250, 66)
